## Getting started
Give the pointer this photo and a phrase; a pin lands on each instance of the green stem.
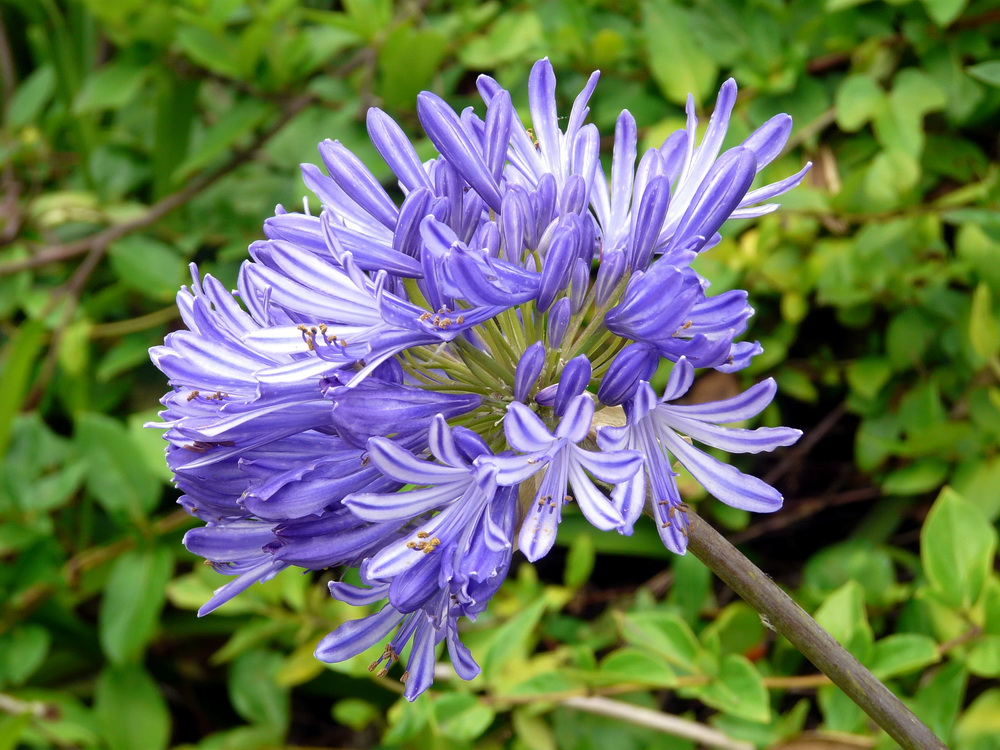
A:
(789, 619)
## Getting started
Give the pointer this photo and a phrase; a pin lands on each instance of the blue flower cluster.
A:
(416, 389)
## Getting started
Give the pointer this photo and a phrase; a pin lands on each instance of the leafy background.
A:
(141, 135)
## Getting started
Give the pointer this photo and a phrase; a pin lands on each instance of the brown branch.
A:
(100, 241)
(822, 649)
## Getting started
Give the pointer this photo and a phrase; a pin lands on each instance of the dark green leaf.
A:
(254, 691)
(118, 477)
(131, 709)
(133, 598)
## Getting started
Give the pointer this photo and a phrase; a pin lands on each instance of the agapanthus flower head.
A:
(409, 388)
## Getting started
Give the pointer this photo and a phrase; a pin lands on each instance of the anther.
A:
(192, 395)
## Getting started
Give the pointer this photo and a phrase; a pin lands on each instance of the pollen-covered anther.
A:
(192, 395)
(425, 316)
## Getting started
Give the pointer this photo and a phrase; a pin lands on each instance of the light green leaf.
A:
(664, 633)
(957, 545)
(984, 658)
(131, 709)
(984, 333)
(579, 560)
(110, 87)
(637, 665)
(987, 72)
(11, 729)
(857, 99)
(461, 716)
(901, 653)
(921, 476)
(677, 64)
(738, 690)
(511, 639)
(843, 616)
(355, 713)
(979, 726)
(943, 12)
(133, 597)
(867, 375)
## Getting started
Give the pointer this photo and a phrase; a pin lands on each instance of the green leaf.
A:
(857, 99)
(843, 616)
(31, 96)
(117, 477)
(11, 729)
(736, 630)
(943, 12)
(868, 375)
(407, 62)
(22, 652)
(355, 713)
(692, 587)
(579, 560)
(987, 72)
(254, 691)
(941, 697)
(738, 690)
(131, 709)
(921, 476)
(984, 657)
(979, 726)
(510, 640)
(901, 653)
(664, 633)
(676, 63)
(984, 333)
(110, 87)
(840, 713)
(133, 597)
(147, 265)
(533, 731)
(237, 122)
(627, 665)
(957, 545)
(15, 378)
(462, 717)
(209, 49)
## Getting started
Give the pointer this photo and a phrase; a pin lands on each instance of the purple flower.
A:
(409, 388)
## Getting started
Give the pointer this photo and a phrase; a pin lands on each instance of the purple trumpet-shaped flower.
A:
(563, 464)
(658, 429)
(405, 387)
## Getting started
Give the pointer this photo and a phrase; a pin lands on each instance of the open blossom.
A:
(409, 387)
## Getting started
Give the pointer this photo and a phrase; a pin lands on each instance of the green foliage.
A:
(140, 135)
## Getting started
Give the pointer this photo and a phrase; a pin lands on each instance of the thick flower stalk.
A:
(409, 388)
